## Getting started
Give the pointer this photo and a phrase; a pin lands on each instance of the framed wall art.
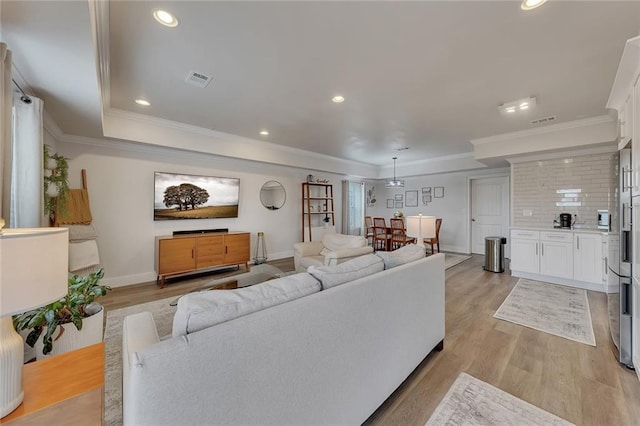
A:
(426, 190)
(398, 197)
(411, 198)
(438, 192)
(426, 199)
(389, 203)
(399, 204)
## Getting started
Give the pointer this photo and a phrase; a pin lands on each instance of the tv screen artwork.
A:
(179, 196)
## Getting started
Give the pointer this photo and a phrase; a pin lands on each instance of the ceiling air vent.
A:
(198, 79)
(543, 119)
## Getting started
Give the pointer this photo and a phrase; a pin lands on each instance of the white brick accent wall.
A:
(536, 200)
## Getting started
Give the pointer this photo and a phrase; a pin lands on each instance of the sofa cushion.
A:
(335, 242)
(403, 255)
(197, 311)
(331, 276)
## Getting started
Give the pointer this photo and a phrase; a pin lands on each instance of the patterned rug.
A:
(551, 308)
(470, 401)
(451, 260)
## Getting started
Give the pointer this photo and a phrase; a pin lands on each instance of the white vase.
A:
(51, 164)
(73, 339)
(53, 191)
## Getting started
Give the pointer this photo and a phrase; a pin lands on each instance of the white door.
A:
(489, 211)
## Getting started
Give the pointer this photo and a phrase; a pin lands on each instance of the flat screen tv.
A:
(179, 196)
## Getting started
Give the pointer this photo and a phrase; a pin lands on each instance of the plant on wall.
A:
(56, 182)
(371, 196)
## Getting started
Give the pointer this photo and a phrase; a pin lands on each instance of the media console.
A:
(198, 251)
(200, 231)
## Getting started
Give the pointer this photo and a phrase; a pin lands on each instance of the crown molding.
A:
(99, 13)
(544, 130)
(604, 149)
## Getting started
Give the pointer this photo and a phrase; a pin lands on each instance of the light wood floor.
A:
(582, 384)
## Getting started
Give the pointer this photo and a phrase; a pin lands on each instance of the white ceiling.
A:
(424, 75)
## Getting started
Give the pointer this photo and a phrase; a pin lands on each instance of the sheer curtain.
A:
(25, 209)
(352, 208)
(5, 129)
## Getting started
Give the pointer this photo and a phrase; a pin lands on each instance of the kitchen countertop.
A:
(552, 229)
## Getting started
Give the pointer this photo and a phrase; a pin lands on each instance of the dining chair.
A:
(381, 236)
(435, 241)
(398, 234)
(368, 224)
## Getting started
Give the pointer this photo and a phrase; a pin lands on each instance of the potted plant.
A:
(56, 182)
(77, 307)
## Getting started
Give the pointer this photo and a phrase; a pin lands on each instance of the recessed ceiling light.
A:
(142, 102)
(165, 18)
(531, 4)
(264, 133)
(338, 99)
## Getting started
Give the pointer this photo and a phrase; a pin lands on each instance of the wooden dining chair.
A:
(381, 236)
(435, 241)
(398, 234)
(368, 225)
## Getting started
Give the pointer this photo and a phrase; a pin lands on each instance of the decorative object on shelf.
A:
(273, 195)
(395, 182)
(322, 180)
(426, 199)
(76, 306)
(371, 196)
(421, 227)
(398, 213)
(411, 198)
(438, 192)
(55, 182)
(389, 203)
(261, 250)
(310, 178)
(34, 273)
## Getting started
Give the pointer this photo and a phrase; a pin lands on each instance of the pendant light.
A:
(395, 183)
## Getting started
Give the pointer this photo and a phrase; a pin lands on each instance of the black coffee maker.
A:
(565, 220)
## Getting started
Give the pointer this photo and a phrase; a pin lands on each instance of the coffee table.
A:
(256, 275)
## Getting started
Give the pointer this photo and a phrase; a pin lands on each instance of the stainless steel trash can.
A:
(494, 254)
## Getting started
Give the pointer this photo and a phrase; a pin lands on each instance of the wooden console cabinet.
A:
(180, 254)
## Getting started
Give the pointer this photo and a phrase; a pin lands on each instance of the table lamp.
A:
(421, 227)
(33, 272)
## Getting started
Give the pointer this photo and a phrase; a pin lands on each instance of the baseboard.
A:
(602, 288)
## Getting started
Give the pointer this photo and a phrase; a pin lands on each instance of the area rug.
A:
(470, 401)
(163, 316)
(451, 260)
(551, 308)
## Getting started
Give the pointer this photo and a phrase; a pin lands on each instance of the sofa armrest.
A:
(335, 257)
(310, 248)
(138, 331)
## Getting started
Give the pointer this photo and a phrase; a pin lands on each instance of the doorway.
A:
(489, 211)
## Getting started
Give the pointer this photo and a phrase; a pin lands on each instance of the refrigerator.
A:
(620, 259)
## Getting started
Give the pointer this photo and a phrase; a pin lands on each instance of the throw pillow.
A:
(403, 255)
(331, 276)
(197, 311)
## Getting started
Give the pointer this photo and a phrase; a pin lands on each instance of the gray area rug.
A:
(163, 316)
(451, 260)
(551, 308)
(470, 401)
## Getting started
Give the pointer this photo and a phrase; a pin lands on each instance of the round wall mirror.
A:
(272, 195)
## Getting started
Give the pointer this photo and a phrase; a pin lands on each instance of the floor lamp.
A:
(421, 227)
(33, 272)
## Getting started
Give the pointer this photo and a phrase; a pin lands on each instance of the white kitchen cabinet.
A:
(605, 258)
(587, 261)
(556, 254)
(635, 325)
(525, 251)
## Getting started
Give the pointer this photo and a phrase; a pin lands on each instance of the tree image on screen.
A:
(185, 195)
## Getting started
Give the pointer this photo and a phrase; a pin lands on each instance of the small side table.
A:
(64, 389)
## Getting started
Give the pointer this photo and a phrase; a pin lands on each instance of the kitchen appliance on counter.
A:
(565, 220)
(604, 220)
(619, 262)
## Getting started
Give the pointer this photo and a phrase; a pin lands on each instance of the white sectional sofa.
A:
(327, 356)
(332, 250)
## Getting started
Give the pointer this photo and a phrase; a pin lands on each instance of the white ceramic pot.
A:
(53, 191)
(51, 164)
(73, 339)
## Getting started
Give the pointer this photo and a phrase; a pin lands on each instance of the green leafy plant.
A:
(58, 179)
(72, 308)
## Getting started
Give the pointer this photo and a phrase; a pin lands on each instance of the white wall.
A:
(120, 180)
(453, 208)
